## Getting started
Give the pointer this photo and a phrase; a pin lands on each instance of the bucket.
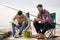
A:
(25, 34)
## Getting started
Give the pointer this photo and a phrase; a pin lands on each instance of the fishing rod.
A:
(11, 7)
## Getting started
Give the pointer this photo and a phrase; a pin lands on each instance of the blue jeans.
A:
(21, 27)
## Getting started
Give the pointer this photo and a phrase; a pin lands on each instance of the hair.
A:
(19, 12)
(39, 5)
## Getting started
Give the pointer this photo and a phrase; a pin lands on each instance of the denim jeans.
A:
(21, 27)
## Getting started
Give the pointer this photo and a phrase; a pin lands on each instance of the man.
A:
(23, 23)
(42, 21)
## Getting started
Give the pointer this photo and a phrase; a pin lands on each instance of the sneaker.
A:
(16, 36)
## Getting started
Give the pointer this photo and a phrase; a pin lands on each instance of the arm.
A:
(15, 21)
(47, 17)
(37, 18)
(14, 18)
(28, 26)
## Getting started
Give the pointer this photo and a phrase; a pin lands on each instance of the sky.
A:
(6, 14)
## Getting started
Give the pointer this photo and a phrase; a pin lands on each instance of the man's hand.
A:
(17, 24)
(42, 21)
(27, 28)
(38, 19)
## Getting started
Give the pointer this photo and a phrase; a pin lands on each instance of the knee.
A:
(13, 25)
(24, 22)
(34, 23)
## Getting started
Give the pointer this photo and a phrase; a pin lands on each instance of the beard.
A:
(41, 11)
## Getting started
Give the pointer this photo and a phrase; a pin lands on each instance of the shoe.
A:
(16, 36)
(37, 34)
(40, 36)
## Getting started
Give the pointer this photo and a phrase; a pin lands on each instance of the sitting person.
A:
(42, 21)
(22, 24)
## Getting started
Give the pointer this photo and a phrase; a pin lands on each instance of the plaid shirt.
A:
(45, 16)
